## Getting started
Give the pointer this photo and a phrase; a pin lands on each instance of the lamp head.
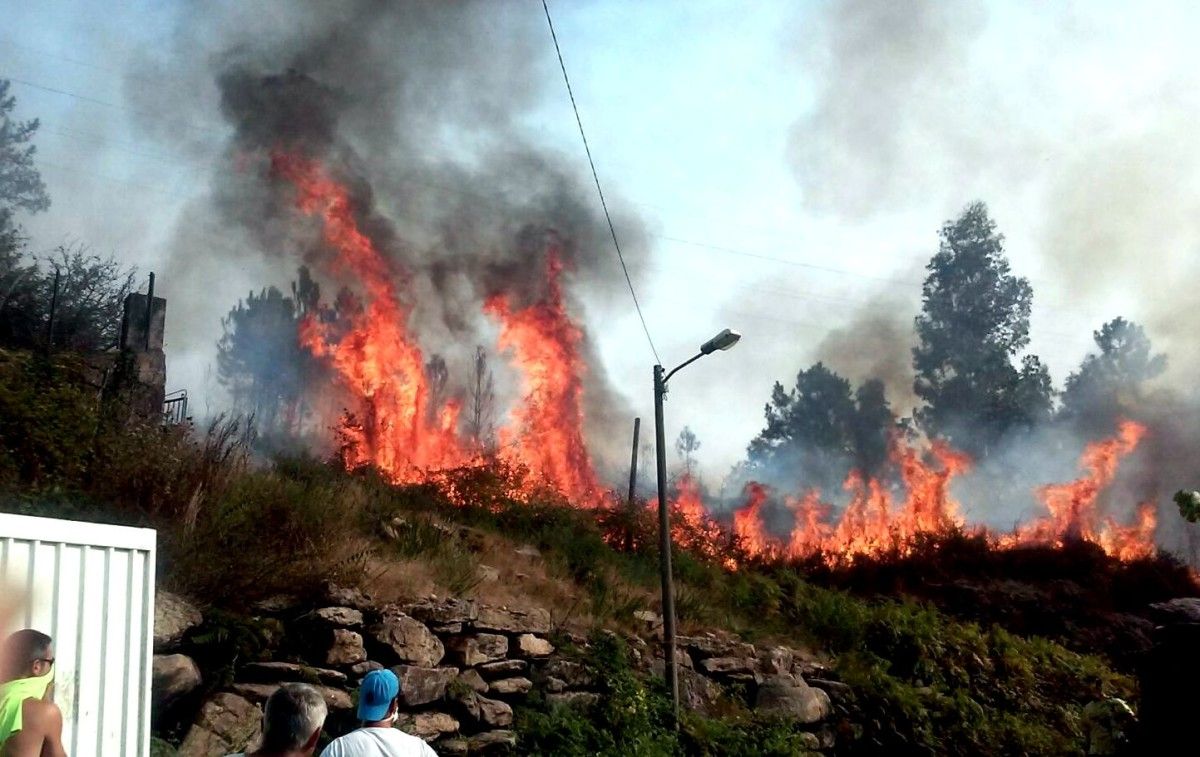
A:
(722, 341)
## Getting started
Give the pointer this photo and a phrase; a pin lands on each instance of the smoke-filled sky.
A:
(781, 168)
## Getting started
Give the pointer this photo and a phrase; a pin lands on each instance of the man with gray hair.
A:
(292, 722)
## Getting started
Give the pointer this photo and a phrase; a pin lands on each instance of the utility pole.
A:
(722, 341)
(53, 309)
(630, 506)
(664, 547)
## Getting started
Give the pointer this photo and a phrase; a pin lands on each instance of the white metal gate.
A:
(91, 587)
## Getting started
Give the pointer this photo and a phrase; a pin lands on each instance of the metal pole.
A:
(637, 427)
(664, 545)
(53, 309)
(630, 507)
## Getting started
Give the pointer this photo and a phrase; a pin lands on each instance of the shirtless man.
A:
(30, 723)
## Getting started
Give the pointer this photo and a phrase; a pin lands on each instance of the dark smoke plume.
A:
(418, 108)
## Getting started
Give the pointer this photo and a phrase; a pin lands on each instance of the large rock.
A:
(341, 617)
(510, 686)
(513, 620)
(420, 685)
(1178, 610)
(427, 725)
(791, 697)
(345, 596)
(569, 672)
(226, 723)
(335, 699)
(174, 616)
(284, 672)
(346, 649)
(838, 692)
(479, 709)
(775, 660)
(726, 666)
(698, 693)
(473, 680)
(529, 645)
(475, 649)
(360, 670)
(406, 639)
(445, 612)
(502, 668)
(494, 713)
(174, 677)
(710, 645)
(490, 742)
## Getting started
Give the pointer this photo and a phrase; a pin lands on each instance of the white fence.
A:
(91, 587)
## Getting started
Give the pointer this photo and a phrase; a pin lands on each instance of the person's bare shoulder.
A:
(41, 716)
(41, 731)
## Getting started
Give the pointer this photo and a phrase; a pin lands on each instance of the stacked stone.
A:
(462, 666)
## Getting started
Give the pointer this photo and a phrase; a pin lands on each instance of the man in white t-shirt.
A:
(378, 708)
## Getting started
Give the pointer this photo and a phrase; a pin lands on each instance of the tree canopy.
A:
(973, 324)
(819, 429)
(260, 360)
(1109, 383)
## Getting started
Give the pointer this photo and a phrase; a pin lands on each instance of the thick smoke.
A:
(1077, 126)
(890, 76)
(877, 344)
(419, 108)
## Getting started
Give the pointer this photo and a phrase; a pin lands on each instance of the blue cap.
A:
(379, 688)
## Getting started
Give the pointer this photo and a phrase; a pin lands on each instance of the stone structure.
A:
(139, 378)
(463, 665)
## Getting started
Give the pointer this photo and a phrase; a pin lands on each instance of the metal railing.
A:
(175, 408)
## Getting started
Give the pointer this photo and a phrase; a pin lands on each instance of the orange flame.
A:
(402, 430)
(748, 523)
(547, 431)
(376, 358)
(1073, 514)
(871, 524)
(691, 527)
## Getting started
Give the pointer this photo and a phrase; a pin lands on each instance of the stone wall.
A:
(462, 665)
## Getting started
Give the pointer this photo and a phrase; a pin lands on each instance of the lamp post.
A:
(721, 341)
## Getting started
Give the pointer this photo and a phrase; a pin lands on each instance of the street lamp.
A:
(721, 341)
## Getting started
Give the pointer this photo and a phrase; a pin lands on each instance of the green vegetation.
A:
(632, 717)
(923, 682)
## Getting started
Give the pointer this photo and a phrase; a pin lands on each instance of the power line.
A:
(94, 101)
(596, 177)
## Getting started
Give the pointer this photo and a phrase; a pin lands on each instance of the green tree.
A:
(1109, 384)
(973, 324)
(87, 309)
(260, 360)
(21, 186)
(819, 429)
(870, 426)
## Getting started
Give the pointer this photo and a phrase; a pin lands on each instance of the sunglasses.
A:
(48, 660)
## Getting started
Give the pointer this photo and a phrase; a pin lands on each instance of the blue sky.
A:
(792, 162)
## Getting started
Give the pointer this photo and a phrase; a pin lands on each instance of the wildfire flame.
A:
(1072, 506)
(379, 360)
(376, 358)
(547, 430)
(871, 523)
(407, 433)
